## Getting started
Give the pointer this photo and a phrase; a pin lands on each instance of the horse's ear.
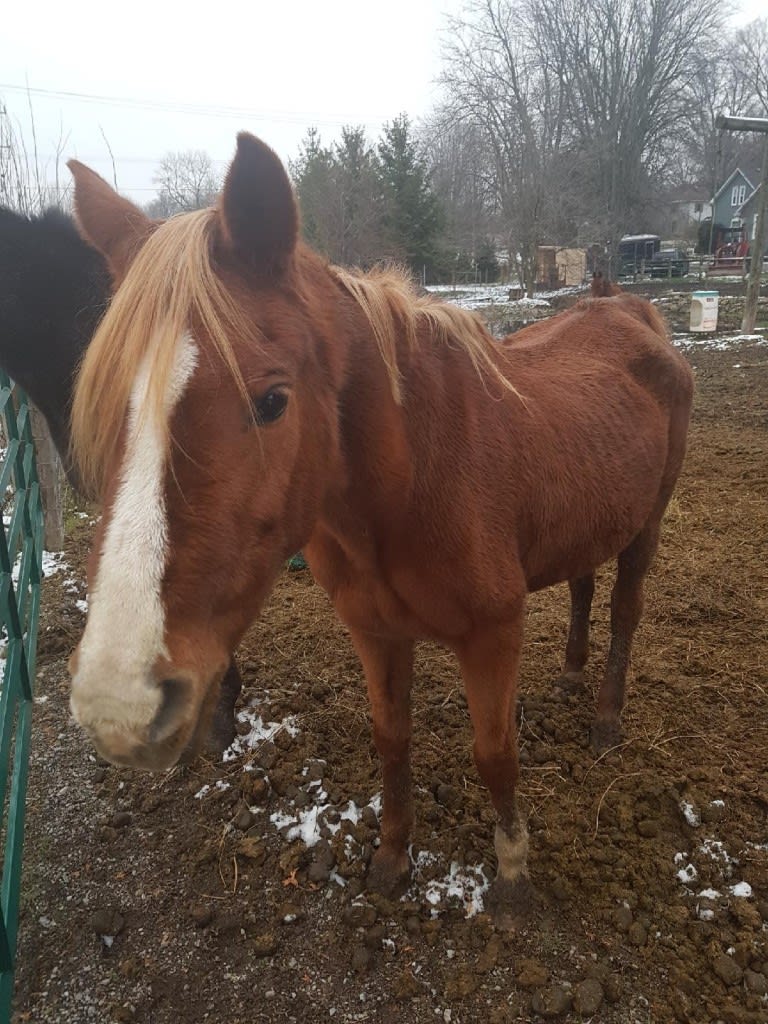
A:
(110, 223)
(260, 218)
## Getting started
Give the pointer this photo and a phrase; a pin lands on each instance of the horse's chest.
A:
(385, 599)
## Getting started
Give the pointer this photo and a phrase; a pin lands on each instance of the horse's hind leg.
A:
(626, 609)
(577, 647)
(388, 667)
(489, 662)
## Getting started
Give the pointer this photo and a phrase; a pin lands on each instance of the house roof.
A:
(729, 179)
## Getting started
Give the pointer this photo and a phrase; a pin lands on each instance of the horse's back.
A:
(623, 332)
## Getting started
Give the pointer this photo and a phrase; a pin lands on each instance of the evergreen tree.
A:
(340, 197)
(412, 213)
(360, 235)
(312, 173)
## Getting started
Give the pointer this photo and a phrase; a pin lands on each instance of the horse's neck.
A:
(374, 471)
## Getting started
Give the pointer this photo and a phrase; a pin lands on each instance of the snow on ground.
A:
(480, 295)
(719, 341)
(52, 562)
(462, 886)
(710, 854)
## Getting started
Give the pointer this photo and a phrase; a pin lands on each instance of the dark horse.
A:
(54, 289)
(241, 400)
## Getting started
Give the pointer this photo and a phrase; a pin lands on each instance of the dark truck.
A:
(669, 263)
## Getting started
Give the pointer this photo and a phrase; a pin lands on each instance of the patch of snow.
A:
(716, 850)
(53, 562)
(260, 731)
(741, 889)
(690, 814)
(472, 296)
(687, 874)
(468, 885)
(719, 342)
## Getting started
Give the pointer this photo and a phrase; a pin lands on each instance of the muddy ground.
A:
(161, 901)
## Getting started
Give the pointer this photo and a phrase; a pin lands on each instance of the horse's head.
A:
(205, 415)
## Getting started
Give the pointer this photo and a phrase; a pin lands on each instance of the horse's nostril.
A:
(175, 695)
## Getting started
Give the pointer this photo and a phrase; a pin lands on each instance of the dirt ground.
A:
(161, 901)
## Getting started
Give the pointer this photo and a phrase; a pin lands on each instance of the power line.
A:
(196, 109)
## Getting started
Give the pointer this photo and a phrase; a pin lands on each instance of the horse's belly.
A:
(586, 536)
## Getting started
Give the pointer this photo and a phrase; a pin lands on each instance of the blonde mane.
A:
(392, 307)
(172, 281)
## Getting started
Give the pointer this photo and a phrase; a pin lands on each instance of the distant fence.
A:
(21, 552)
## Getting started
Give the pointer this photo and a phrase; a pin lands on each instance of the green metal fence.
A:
(21, 552)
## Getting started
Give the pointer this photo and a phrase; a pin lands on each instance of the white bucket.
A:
(704, 311)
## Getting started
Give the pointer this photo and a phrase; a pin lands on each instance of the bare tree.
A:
(496, 84)
(462, 176)
(186, 181)
(580, 104)
(25, 181)
(751, 57)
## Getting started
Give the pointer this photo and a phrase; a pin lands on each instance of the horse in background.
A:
(242, 400)
(602, 287)
(54, 290)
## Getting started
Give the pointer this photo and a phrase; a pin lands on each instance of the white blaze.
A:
(124, 633)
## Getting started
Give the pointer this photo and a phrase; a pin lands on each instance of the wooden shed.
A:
(558, 267)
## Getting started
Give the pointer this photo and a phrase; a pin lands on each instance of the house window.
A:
(698, 207)
(738, 195)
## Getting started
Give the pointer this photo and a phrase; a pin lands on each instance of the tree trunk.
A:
(50, 475)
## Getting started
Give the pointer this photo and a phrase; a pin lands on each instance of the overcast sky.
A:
(171, 77)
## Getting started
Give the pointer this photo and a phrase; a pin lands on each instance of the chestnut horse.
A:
(602, 287)
(242, 400)
(54, 289)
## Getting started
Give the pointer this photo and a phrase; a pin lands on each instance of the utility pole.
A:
(753, 124)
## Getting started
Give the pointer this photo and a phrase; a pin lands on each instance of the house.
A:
(747, 214)
(727, 204)
(686, 207)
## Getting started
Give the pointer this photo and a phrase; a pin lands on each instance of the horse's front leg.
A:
(388, 667)
(489, 661)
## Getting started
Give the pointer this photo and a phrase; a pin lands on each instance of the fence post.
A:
(50, 475)
(21, 548)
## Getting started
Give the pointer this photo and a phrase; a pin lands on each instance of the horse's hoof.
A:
(605, 735)
(512, 904)
(389, 873)
(571, 682)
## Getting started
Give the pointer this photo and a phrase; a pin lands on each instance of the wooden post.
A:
(752, 124)
(756, 267)
(50, 475)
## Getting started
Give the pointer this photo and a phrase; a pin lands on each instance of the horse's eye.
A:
(270, 407)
